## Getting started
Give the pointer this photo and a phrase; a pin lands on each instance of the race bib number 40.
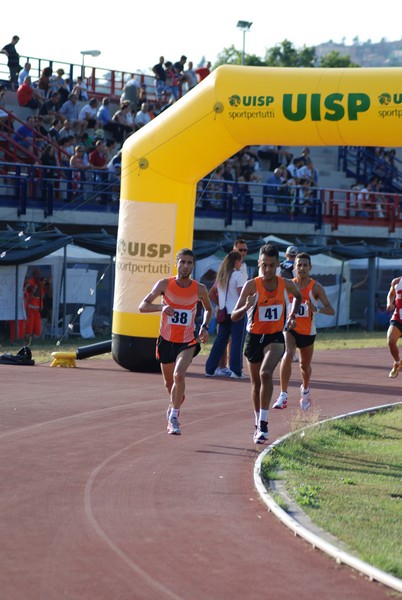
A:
(270, 313)
(303, 310)
(180, 317)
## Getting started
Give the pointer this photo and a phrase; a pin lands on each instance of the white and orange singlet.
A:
(268, 314)
(180, 327)
(305, 319)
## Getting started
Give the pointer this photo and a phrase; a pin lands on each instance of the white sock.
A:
(256, 417)
(174, 413)
(284, 395)
(263, 415)
(306, 391)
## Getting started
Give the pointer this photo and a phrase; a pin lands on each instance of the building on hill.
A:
(366, 54)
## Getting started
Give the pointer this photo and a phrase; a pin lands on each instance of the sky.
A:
(132, 36)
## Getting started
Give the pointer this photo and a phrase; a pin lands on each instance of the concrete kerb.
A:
(302, 526)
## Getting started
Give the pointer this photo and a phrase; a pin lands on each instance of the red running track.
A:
(99, 503)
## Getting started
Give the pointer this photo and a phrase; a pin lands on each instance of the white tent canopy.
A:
(322, 265)
(80, 286)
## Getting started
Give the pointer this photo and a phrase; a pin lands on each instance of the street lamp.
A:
(87, 53)
(244, 26)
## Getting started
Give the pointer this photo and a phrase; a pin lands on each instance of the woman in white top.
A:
(228, 287)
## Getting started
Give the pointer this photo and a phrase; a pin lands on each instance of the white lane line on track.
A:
(97, 527)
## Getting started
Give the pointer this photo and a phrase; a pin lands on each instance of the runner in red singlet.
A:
(394, 302)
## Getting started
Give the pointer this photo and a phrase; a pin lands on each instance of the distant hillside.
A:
(366, 54)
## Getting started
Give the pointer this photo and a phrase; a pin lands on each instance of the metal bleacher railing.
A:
(26, 184)
(54, 190)
(100, 82)
(363, 163)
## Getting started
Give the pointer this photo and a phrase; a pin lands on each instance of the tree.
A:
(334, 59)
(232, 56)
(229, 56)
(286, 55)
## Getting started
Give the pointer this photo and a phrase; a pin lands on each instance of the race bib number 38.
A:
(270, 313)
(180, 317)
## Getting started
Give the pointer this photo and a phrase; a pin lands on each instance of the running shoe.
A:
(234, 375)
(305, 400)
(169, 408)
(395, 370)
(173, 427)
(282, 401)
(223, 372)
(261, 433)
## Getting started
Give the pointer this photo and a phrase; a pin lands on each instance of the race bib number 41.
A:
(270, 313)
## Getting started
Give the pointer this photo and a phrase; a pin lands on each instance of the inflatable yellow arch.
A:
(232, 108)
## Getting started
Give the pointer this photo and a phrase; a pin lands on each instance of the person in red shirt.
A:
(27, 96)
(203, 72)
(34, 293)
(98, 162)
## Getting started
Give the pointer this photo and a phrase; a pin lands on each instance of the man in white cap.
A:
(287, 265)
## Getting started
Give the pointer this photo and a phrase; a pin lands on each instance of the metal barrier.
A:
(52, 189)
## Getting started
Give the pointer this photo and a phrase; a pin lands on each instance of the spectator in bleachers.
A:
(141, 97)
(43, 81)
(114, 168)
(79, 159)
(88, 142)
(79, 162)
(3, 114)
(69, 109)
(190, 76)
(97, 161)
(248, 168)
(24, 73)
(122, 117)
(13, 60)
(365, 199)
(203, 71)
(142, 117)
(66, 130)
(162, 91)
(48, 157)
(66, 147)
(43, 138)
(111, 149)
(80, 90)
(58, 84)
(54, 130)
(306, 173)
(131, 92)
(275, 190)
(51, 108)
(27, 96)
(380, 201)
(88, 113)
(293, 168)
(172, 80)
(105, 120)
(25, 133)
